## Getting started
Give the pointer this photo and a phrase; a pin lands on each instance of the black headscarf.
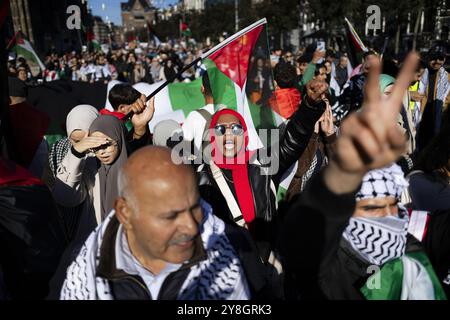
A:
(115, 129)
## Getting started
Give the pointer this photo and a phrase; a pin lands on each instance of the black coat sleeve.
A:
(296, 137)
(437, 244)
(134, 144)
(311, 233)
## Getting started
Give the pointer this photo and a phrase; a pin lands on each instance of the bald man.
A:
(161, 242)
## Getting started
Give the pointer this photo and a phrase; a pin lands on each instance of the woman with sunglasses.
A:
(78, 122)
(87, 176)
(241, 191)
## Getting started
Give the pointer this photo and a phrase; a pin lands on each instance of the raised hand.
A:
(370, 139)
(315, 90)
(317, 55)
(326, 124)
(89, 143)
(143, 113)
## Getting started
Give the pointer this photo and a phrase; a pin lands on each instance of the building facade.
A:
(196, 5)
(136, 14)
(44, 23)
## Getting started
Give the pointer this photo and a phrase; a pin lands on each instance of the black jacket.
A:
(32, 240)
(319, 264)
(292, 145)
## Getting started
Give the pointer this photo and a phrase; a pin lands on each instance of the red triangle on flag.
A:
(233, 59)
(90, 36)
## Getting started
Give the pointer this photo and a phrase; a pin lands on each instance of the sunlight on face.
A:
(388, 90)
(76, 136)
(108, 153)
(229, 144)
(376, 207)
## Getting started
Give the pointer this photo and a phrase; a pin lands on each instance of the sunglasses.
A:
(440, 58)
(104, 146)
(236, 129)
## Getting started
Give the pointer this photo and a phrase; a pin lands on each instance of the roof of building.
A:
(127, 6)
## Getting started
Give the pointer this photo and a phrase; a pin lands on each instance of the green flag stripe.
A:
(186, 96)
(28, 55)
(223, 88)
(391, 279)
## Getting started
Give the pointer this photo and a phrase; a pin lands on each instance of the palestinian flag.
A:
(23, 48)
(32, 237)
(355, 44)
(184, 29)
(410, 277)
(232, 68)
(92, 42)
(241, 78)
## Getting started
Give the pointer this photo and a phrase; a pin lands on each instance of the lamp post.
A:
(236, 15)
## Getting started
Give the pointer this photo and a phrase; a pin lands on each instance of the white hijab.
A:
(80, 118)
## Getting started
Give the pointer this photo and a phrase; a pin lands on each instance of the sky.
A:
(112, 8)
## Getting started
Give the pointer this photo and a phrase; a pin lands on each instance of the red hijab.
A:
(238, 167)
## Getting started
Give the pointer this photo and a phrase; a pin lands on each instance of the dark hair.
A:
(421, 65)
(437, 52)
(369, 53)
(437, 154)
(330, 53)
(285, 75)
(389, 66)
(318, 67)
(206, 84)
(302, 59)
(122, 93)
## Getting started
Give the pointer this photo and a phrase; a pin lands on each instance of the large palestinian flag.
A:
(232, 68)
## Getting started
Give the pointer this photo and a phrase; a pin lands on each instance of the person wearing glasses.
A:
(289, 58)
(86, 178)
(346, 236)
(88, 172)
(239, 184)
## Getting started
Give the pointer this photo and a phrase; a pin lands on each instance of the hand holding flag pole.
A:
(163, 85)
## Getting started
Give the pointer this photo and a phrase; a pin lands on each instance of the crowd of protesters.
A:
(369, 149)
(132, 65)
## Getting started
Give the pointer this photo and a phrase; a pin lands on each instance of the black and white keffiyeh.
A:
(57, 153)
(380, 239)
(384, 182)
(219, 277)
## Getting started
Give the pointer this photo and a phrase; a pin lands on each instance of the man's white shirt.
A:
(194, 126)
